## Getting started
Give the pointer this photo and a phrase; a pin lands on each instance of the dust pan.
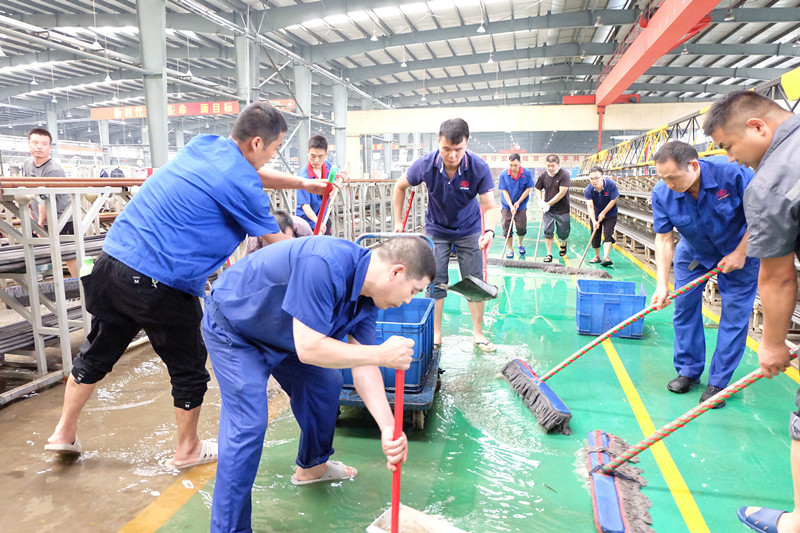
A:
(412, 521)
(401, 518)
(473, 289)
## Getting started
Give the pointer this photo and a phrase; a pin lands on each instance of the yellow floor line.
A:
(677, 486)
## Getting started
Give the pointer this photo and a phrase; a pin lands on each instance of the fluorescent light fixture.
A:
(95, 45)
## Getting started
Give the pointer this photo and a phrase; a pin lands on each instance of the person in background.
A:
(601, 202)
(702, 199)
(455, 177)
(41, 165)
(515, 185)
(308, 204)
(552, 187)
(759, 133)
(290, 225)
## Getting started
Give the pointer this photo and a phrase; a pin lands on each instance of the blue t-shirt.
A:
(305, 197)
(515, 187)
(316, 280)
(191, 214)
(452, 209)
(712, 226)
(600, 199)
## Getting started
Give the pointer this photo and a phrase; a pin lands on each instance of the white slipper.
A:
(65, 448)
(336, 471)
(485, 346)
(208, 454)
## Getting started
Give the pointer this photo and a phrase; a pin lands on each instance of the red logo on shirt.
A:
(464, 184)
(722, 193)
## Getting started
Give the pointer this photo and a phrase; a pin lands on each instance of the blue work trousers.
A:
(242, 370)
(737, 290)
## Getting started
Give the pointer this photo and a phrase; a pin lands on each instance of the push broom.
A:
(550, 411)
(616, 498)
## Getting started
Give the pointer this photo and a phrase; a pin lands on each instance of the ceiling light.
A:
(2, 54)
(33, 81)
(374, 37)
(583, 54)
(207, 125)
(490, 59)
(598, 22)
(130, 134)
(69, 114)
(95, 45)
(89, 129)
(53, 100)
(729, 16)
(114, 98)
(189, 73)
(404, 64)
(481, 29)
(108, 78)
(423, 99)
(684, 51)
(61, 132)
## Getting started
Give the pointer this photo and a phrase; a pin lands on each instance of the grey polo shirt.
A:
(772, 200)
(50, 169)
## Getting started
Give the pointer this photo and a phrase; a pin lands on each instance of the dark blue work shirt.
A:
(515, 187)
(305, 197)
(600, 199)
(452, 209)
(317, 280)
(712, 226)
(190, 216)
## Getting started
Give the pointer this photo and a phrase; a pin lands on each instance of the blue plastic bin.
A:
(604, 304)
(413, 320)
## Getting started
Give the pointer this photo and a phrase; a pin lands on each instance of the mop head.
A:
(553, 268)
(547, 407)
(618, 503)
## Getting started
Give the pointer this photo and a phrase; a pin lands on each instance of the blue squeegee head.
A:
(550, 412)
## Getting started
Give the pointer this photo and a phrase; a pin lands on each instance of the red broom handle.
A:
(399, 386)
(324, 204)
(408, 210)
(682, 420)
(628, 321)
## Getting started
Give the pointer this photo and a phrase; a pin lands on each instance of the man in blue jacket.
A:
(702, 199)
(285, 311)
(308, 204)
(184, 222)
(515, 185)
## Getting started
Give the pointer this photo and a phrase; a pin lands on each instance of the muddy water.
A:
(127, 430)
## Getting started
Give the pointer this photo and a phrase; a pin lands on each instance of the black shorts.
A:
(124, 301)
(607, 226)
(520, 221)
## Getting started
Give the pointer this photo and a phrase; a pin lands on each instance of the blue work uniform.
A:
(247, 327)
(601, 199)
(515, 187)
(711, 227)
(305, 197)
(190, 216)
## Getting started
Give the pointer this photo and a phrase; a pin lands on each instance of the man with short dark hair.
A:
(601, 203)
(182, 224)
(285, 311)
(308, 205)
(759, 133)
(515, 184)
(41, 165)
(702, 199)
(290, 225)
(552, 187)
(454, 177)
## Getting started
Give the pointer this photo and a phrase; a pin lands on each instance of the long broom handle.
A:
(508, 236)
(628, 321)
(587, 247)
(684, 419)
(485, 248)
(324, 204)
(408, 210)
(399, 390)
(538, 236)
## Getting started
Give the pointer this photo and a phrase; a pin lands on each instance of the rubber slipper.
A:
(764, 519)
(486, 346)
(65, 448)
(548, 258)
(521, 250)
(336, 471)
(208, 454)
(562, 250)
(607, 263)
(595, 260)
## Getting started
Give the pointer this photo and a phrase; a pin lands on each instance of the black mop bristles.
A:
(553, 268)
(551, 413)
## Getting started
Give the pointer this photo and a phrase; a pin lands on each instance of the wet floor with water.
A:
(481, 461)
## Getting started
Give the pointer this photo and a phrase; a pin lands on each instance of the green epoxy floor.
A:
(483, 462)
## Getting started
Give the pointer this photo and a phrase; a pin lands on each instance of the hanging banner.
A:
(173, 110)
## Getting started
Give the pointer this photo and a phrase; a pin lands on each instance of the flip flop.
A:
(764, 519)
(336, 471)
(208, 454)
(65, 448)
(486, 346)
(595, 260)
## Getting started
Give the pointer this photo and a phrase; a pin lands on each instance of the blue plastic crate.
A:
(413, 320)
(604, 304)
